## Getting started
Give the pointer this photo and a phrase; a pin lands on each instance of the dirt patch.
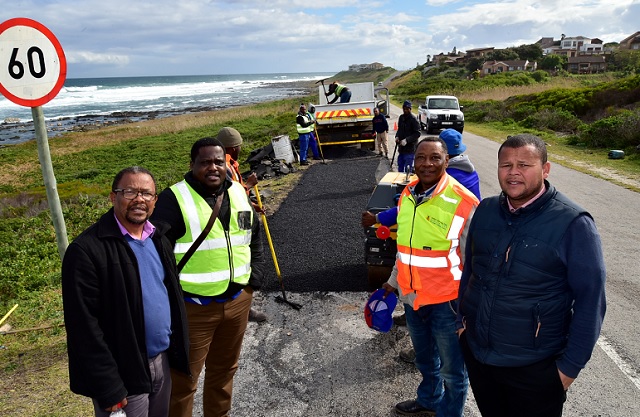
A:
(624, 180)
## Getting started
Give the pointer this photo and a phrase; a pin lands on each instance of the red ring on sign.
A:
(23, 21)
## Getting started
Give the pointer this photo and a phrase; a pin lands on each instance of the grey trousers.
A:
(154, 404)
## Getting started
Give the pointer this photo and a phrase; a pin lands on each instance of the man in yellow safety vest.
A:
(219, 278)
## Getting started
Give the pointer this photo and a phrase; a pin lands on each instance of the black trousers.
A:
(528, 391)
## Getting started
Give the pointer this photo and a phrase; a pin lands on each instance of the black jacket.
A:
(104, 316)
(409, 129)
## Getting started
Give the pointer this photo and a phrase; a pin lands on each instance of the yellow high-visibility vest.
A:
(224, 256)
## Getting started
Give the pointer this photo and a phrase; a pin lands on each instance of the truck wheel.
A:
(378, 275)
(460, 130)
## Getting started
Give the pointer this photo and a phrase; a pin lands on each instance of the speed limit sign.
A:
(32, 63)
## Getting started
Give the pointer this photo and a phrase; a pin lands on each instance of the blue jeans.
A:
(313, 144)
(304, 145)
(405, 159)
(438, 358)
(345, 96)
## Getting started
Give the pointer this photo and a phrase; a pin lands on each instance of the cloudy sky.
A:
(111, 38)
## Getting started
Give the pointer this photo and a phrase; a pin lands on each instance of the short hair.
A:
(201, 143)
(131, 170)
(524, 139)
(434, 139)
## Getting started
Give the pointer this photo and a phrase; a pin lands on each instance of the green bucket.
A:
(616, 154)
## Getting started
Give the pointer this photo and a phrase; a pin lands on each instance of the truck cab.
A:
(441, 112)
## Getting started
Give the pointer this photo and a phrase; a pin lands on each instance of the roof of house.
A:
(633, 38)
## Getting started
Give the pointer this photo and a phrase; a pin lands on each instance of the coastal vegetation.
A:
(581, 117)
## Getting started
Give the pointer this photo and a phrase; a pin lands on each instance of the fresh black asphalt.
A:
(316, 231)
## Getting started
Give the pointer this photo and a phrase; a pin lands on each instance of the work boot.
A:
(305, 162)
(408, 355)
(413, 408)
(257, 316)
(400, 320)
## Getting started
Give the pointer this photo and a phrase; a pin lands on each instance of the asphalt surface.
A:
(324, 361)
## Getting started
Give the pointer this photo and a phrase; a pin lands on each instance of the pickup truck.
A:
(441, 112)
(350, 123)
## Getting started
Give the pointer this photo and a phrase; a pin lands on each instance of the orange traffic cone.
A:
(395, 126)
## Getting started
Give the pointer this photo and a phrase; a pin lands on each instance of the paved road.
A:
(324, 361)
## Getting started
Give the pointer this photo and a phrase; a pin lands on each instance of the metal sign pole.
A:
(50, 180)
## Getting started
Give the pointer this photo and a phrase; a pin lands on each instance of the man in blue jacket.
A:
(532, 292)
(381, 128)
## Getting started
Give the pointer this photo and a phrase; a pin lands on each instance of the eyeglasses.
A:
(133, 194)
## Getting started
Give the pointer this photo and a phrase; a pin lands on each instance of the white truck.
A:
(350, 123)
(441, 112)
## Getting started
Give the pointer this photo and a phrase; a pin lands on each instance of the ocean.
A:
(101, 99)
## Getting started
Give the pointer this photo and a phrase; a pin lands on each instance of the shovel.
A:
(322, 81)
(283, 298)
(319, 144)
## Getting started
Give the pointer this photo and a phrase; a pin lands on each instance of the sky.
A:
(116, 38)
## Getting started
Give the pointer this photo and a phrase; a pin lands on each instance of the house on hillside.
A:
(631, 42)
(495, 67)
(364, 67)
(586, 64)
(571, 46)
(479, 52)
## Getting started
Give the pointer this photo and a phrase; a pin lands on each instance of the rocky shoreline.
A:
(13, 132)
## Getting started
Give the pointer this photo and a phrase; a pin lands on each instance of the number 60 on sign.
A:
(32, 63)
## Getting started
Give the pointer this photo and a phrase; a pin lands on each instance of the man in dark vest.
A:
(532, 292)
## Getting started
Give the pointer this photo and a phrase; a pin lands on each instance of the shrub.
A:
(556, 120)
(619, 131)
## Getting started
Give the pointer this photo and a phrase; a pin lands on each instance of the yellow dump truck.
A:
(350, 123)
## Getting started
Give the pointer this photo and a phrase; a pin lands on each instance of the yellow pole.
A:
(8, 314)
(266, 230)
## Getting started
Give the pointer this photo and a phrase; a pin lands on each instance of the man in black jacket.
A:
(123, 307)
(407, 137)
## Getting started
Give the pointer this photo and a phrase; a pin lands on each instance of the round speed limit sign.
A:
(32, 64)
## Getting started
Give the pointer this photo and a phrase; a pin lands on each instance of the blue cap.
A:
(406, 103)
(453, 139)
(378, 309)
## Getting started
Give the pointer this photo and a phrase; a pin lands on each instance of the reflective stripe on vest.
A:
(429, 259)
(308, 118)
(339, 88)
(224, 256)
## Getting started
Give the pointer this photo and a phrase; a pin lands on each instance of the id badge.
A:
(244, 220)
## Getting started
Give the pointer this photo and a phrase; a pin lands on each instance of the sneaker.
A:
(400, 320)
(408, 355)
(257, 316)
(305, 162)
(413, 408)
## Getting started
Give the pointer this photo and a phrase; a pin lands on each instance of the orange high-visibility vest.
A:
(429, 261)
